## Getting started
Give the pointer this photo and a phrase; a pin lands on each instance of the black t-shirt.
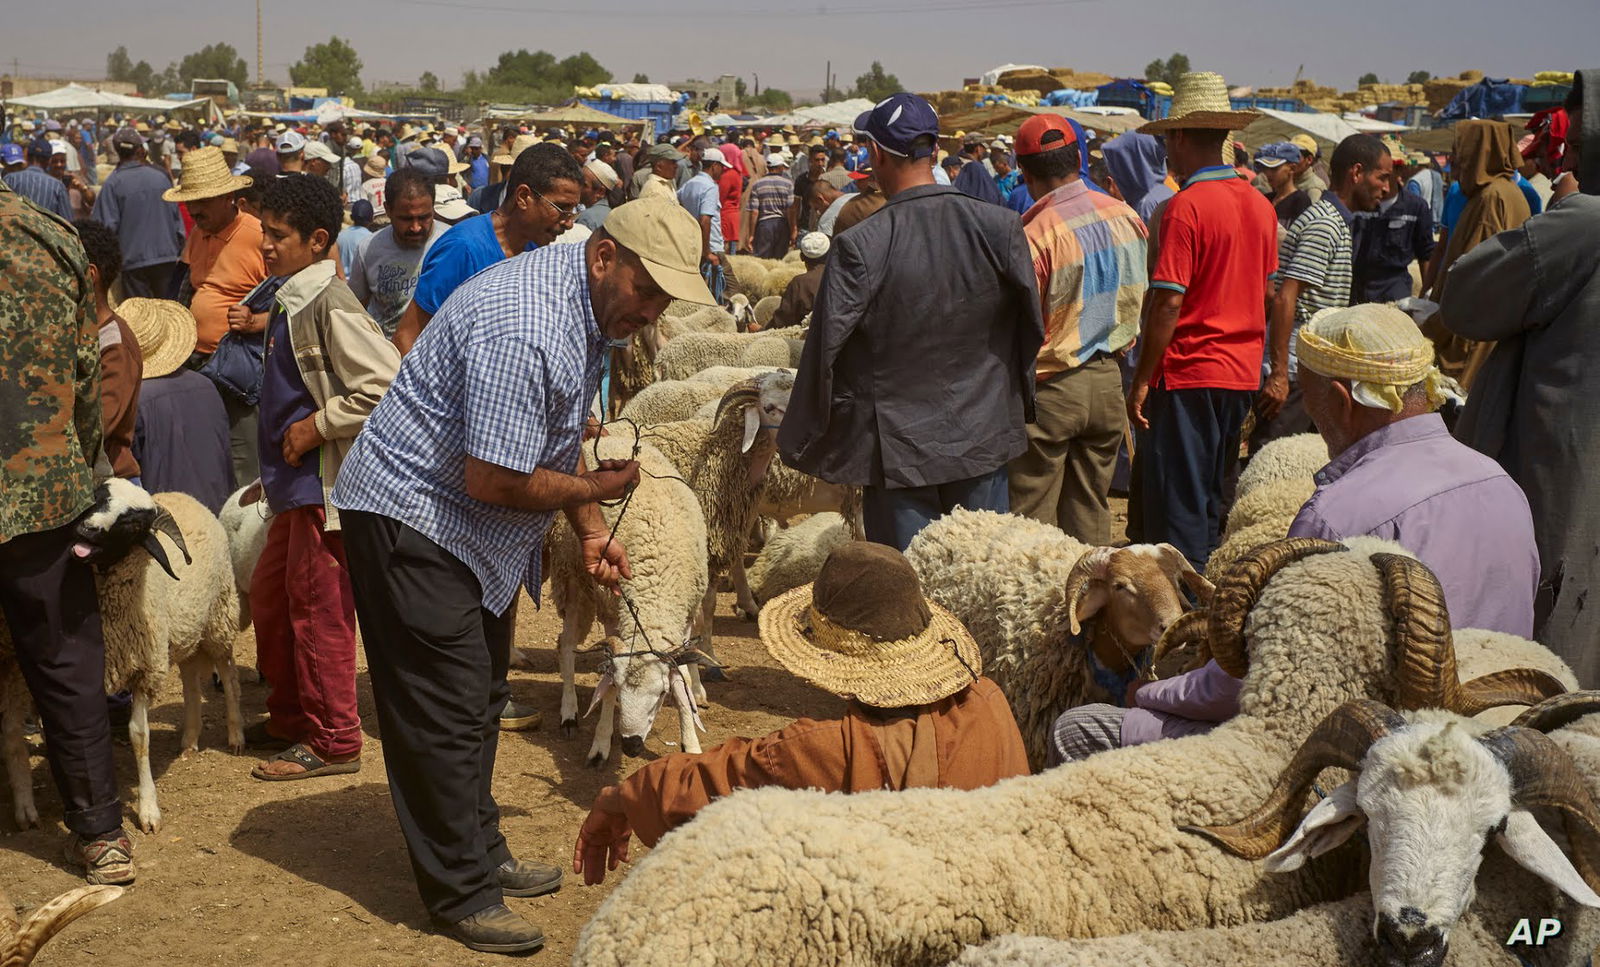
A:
(1292, 207)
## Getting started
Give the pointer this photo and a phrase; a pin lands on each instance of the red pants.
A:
(305, 623)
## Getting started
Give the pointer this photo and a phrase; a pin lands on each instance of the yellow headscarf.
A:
(1379, 349)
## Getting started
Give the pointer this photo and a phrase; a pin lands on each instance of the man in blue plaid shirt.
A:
(446, 497)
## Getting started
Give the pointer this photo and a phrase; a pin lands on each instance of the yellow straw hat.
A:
(1379, 349)
(205, 175)
(1200, 100)
(865, 631)
(165, 331)
(507, 154)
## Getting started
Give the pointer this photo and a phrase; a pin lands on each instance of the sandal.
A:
(314, 766)
(257, 737)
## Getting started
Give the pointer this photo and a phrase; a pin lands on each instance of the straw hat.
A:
(228, 146)
(205, 175)
(1200, 100)
(865, 631)
(165, 331)
(505, 155)
(376, 167)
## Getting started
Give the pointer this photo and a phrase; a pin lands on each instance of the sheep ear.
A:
(1525, 841)
(1182, 572)
(1329, 823)
(752, 426)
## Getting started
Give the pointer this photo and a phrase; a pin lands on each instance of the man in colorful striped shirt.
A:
(1089, 259)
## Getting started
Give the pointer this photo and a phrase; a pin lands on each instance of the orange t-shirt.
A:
(223, 268)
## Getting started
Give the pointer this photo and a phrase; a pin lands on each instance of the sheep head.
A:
(760, 403)
(124, 515)
(643, 678)
(1431, 790)
(19, 944)
(744, 314)
(1136, 591)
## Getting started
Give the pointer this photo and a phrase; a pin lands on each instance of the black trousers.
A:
(149, 281)
(1175, 495)
(53, 612)
(438, 662)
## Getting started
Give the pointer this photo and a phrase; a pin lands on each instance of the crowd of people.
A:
(395, 337)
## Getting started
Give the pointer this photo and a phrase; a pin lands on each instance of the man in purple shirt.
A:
(1369, 382)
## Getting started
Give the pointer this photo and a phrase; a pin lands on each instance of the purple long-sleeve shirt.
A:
(1412, 483)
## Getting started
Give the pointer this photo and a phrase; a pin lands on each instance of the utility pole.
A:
(260, 48)
(826, 83)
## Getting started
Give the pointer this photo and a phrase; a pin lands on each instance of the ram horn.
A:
(746, 392)
(1090, 564)
(1190, 626)
(1238, 589)
(1542, 774)
(1558, 712)
(1508, 686)
(163, 523)
(51, 918)
(1340, 741)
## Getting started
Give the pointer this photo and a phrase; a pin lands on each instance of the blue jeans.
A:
(1180, 464)
(894, 517)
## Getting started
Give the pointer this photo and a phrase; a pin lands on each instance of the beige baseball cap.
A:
(666, 238)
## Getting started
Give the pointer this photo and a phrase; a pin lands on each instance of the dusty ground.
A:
(315, 873)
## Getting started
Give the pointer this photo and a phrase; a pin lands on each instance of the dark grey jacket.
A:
(918, 367)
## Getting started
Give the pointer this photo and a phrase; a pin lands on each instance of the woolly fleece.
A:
(794, 555)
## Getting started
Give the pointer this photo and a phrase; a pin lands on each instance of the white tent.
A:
(76, 97)
(1275, 125)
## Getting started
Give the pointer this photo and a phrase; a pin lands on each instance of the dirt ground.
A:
(314, 873)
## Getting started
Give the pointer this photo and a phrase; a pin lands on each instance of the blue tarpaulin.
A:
(1487, 98)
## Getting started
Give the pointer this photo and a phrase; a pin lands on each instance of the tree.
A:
(875, 85)
(1418, 77)
(429, 82)
(641, 79)
(1167, 71)
(581, 70)
(213, 61)
(1368, 78)
(772, 98)
(538, 76)
(831, 94)
(118, 65)
(334, 65)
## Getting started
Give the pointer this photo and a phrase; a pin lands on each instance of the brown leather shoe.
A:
(521, 878)
(496, 930)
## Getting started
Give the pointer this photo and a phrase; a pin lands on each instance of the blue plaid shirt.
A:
(505, 372)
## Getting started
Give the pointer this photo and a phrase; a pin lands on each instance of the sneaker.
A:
(521, 878)
(106, 859)
(496, 930)
(519, 718)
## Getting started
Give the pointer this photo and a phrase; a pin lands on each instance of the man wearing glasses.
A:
(540, 202)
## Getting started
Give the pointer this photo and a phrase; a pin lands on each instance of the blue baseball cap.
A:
(898, 120)
(11, 154)
(1278, 153)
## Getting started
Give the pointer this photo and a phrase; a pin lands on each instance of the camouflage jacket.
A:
(49, 371)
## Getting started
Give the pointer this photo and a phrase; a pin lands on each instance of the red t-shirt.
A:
(730, 189)
(1218, 244)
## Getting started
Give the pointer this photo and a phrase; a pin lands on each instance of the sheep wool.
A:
(1091, 848)
(747, 275)
(1292, 457)
(246, 527)
(697, 319)
(766, 309)
(779, 277)
(669, 401)
(793, 556)
(692, 352)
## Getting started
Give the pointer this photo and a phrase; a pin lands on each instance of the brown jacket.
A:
(121, 374)
(966, 741)
(798, 298)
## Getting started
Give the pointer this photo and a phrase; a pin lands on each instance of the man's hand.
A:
(611, 479)
(603, 838)
(1136, 397)
(300, 439)
(594, 428)
(1273, 394)
(712, 258)
(241, 319)
(605, 559)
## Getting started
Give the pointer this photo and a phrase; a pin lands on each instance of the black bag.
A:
(238, 362)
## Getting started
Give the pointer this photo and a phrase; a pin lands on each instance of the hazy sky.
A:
(929, 44)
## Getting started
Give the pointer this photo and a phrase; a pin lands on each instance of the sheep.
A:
(766, 309)
(670, 400)
(690, 317)
(726, 376)
(20, 941)
(779, 277)
(1091, 848)
(747, 275)
(156, 612)
(793, 556)
(1296, 457)
(1027, 592)
(246, 527)
(744, 315)
(665, 537)
(724, 461)
(690, 353)
(792, 256)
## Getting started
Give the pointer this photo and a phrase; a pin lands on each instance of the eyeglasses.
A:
(564, 214)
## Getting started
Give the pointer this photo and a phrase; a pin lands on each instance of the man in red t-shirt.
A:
(1204, 327)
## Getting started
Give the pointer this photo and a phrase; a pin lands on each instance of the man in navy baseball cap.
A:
(899, 120)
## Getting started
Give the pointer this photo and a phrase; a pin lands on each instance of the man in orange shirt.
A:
(224, 259)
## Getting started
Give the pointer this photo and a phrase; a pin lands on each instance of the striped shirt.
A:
(1316, 250)
(504, 373)
(1089, 260)
(771, 196)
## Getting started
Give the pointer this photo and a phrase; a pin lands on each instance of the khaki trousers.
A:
(1065, 476)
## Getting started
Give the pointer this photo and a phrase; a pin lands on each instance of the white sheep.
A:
(668, 401)
(690, 353)
(744, 315)
(1296, 457)
(747, 275)
(20, 941)
(681, 318)
(793, 556)
(766, 309)
(665, 538)
(1059, 623)
(1271, 490)
(1090, 848)
(779, 277)
(246, 526)
(156, 612)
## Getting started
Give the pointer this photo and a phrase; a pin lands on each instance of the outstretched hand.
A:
(605, 559)
(603, 839)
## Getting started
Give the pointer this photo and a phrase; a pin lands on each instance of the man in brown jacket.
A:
(121, 363)
(920, 715)
(801, 292)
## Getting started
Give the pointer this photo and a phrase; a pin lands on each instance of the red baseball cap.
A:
(1038, 134)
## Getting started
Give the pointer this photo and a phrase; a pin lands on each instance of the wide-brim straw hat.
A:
(507, 153)
(864, 631)
(376, 167)
(165, 331)
(205, 174)
(1200, 100)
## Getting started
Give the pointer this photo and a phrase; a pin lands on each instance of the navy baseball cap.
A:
(11, 154)
(1278, 153)
(898, 120)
